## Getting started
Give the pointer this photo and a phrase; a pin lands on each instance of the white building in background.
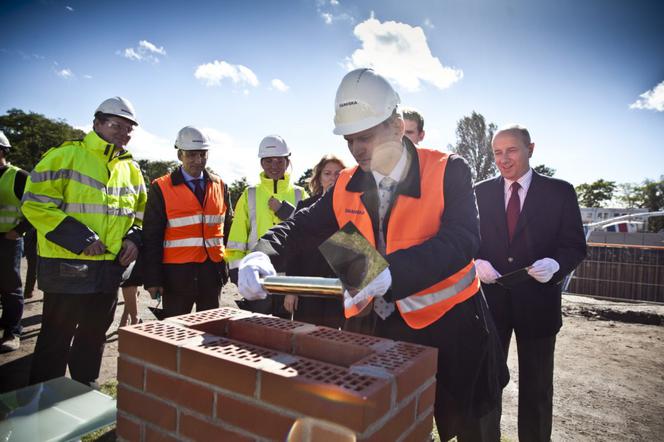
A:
(596, 214)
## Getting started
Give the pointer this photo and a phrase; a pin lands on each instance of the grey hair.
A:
(515, 129)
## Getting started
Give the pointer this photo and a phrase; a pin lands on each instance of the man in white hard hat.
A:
(187, 219)
(12, 228)
(417, 207)
(86, 200)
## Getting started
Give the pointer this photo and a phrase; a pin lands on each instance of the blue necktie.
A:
(199, 190)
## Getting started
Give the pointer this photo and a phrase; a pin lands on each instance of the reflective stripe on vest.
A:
(253, 221)
(407, 228)
(193, 233)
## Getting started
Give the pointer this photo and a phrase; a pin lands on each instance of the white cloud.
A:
(87, 76)
(145, 51)
(69, 8)
(401, 53)
(652, 99)
(211, 74)
(280, 85)
(428, 23)
(64, 73)
(150, 47)
(331, 11)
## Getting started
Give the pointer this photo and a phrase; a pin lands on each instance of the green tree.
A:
(32, 134)
(474, 145)
(651, 197)
(545, 170)
(628, 195)
(155, 169)
(595, 194)
(303, 181)
(236, 188)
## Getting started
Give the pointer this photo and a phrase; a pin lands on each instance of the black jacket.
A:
(549, 226)
(413, 269)
(154, 224)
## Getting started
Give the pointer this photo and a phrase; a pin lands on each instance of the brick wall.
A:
(228, 374)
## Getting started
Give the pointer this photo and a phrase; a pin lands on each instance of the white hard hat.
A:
(118, 106)
(4, 142)
(191, 138)
(273, 146)
(364, 100)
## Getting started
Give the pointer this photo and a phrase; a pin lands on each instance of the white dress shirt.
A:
(524, 182)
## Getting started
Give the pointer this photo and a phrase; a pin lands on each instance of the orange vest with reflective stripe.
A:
(412, 221)
(193, 233)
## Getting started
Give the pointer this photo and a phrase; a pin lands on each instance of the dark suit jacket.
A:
(549, 226)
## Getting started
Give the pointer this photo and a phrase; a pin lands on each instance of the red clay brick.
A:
(155, 342)
(130, 373)
(259, 420)
(203, 431)
(154, 435)
(127, 428)
(426, 399)
(396, 426)
(180, 391)
(422, 430)
(334, 346)
(146, 408)
(227, 364)
(265, 331)
(327, 392)
(210, 321)
(411, 364)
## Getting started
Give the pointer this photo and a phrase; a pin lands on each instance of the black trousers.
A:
(201, 286)
(471, 368)
(536, 359)
(11, 289)
(83, 317)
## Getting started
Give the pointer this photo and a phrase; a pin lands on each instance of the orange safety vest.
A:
(193, 233)
(412, 221)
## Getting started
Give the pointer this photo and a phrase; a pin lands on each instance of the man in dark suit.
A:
(527, 220)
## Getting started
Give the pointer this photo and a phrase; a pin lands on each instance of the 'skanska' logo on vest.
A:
(355, 211)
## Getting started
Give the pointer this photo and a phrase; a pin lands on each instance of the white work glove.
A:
(252, 267)
(486, 272)
(543, 269)
(377, 287)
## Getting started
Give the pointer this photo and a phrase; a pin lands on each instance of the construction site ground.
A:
(609, 367)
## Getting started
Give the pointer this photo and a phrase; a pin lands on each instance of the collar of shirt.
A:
(397, 172)
(524, 182)
(190, 179)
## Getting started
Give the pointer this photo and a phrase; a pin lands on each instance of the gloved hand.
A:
(377, 287)
(252, 267)
(543, 269)
(486, 272)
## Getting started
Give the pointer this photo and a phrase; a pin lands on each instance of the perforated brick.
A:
(266, 331)
(335, 346)
(210, 321)
(226, 363)
(411, 365)
(327, 391)
(155, 342)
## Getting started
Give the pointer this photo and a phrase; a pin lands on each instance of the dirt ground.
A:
(609, 368)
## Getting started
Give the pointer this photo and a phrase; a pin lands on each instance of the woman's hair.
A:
(315, 185)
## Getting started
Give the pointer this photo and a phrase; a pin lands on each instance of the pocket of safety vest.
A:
(78, 271)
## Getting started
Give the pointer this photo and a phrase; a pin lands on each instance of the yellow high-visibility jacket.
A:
(78, 193)
(253, 216)
(10, 205)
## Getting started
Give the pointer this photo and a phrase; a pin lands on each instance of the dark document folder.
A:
(514, 278)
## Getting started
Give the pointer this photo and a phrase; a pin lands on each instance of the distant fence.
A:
(621, 271)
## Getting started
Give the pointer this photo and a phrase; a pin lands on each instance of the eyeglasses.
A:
(116, 126)
(195, 153)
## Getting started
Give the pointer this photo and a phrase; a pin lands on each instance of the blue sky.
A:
(586, 76)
